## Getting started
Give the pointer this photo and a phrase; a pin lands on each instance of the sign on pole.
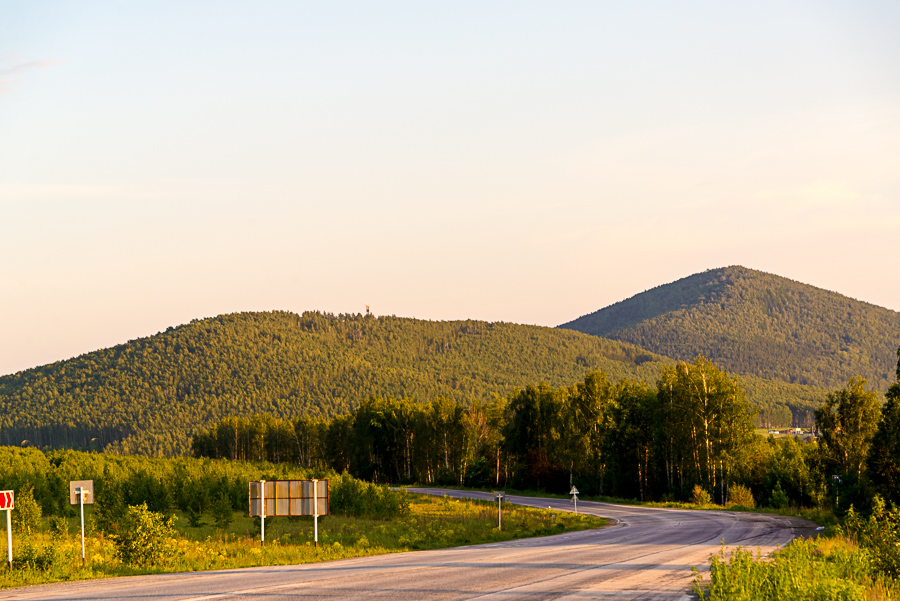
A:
(288, 498)
(8, 502)
(499, 496)
(82, 493)
(85, 485)
(574, 492)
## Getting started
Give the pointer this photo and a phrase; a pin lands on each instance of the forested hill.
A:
(155, 391)
(149, 395)
(750, 322)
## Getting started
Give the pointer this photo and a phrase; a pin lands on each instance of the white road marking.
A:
(250, 591)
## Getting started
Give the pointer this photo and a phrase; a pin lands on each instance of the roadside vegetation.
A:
(857, 560)
(149, 542)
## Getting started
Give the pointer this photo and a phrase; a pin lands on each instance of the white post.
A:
(576, 503)
(9, 536)
(316, 513)
(262, 512)
(79, 492)
(499, 513)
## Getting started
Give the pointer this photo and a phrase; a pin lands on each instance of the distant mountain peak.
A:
(757, 323)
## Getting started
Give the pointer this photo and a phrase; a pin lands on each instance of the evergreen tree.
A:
(883, 463)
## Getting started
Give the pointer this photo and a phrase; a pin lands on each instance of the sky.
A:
(526, 162)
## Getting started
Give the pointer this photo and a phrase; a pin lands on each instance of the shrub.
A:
(880, 533)
(146, 537)
(223, 513)
(26, 517)
(40, 558)
(780, 499)
(700, 496)
(740, 496)
(110, 510)
(59, 527)
(195, 518)
(357, 498)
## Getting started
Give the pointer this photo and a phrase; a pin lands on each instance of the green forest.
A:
(203, 486)
(755, 323)
(148, 396)
(692, 434)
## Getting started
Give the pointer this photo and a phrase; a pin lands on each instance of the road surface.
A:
(647, 554)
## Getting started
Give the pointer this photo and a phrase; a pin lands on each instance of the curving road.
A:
(647, 554)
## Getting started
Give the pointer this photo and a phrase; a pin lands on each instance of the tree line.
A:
(622, 439)
(198, 487)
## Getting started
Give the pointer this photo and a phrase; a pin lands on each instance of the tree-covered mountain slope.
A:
(750, 322)
(149, 395)
(155, 391)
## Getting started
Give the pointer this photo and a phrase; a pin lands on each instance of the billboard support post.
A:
(316, 513)
(262, 512)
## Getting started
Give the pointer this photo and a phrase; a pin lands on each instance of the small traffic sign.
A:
(574, 493)
(81, 493)
(8, 502)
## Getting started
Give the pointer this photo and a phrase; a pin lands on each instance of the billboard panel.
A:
(288, 497)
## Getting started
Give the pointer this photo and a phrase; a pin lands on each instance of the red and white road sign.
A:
(7, 499)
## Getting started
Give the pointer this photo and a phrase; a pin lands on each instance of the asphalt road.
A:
(647, 554)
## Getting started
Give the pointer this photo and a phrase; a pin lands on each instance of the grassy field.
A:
(52, 555)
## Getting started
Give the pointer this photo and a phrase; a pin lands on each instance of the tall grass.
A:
(824, 569)
(859, 560)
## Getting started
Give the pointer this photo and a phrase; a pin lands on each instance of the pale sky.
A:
(507, 161)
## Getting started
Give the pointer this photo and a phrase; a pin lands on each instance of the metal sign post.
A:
(8, 502)
(81, 492)
(315, 513)
(81, 495)
(499, 496)
(574, 492)
(262, 512)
